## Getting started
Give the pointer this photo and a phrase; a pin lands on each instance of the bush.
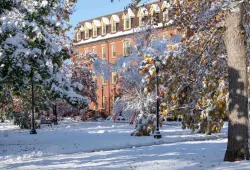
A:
(21, 119)
(145, 125)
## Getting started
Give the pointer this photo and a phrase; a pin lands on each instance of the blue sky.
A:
(87, 9)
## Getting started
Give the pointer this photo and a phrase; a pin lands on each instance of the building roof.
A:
(115, 13)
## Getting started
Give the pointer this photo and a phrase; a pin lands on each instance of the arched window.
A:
(127, 23)
(104, 28)
(87, 27)
(113, 21)
(104, 23)
(94, 31)
(127, 19)
(78, 35)
(142, 14)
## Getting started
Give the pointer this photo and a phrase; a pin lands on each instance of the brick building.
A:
(111, 35)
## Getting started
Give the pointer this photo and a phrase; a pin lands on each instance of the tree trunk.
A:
(235, 41)
(208, 128)
(55, 114)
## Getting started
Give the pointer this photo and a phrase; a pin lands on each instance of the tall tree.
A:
(208, 22)
(33, 46)
(236, 45)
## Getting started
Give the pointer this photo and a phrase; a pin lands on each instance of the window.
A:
(141, 22)
(94, 51)
(86, 52)
(152, 20)
(153, 38)
(126, 48)
(114, 99)
(113, 51)
(78, 36)
(103, 52)
(165, 36)
(127, 23)
(114, 77)
(104, 81)
(113, 27)
(165, 15)
(95, 79)
(94, 31)
(104, 29)
(104, 101)
(86, 34)
(142, 14)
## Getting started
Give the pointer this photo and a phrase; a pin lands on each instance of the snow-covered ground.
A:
(105, 145)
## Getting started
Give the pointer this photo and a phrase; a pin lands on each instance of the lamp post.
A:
(55, 114)
(157, 63)
(102, 97)
(33, 130)
(114, 93)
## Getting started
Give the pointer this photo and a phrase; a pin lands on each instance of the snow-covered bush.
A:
(21, 119)
(145, 125)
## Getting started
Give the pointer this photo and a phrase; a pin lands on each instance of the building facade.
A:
(112, 35)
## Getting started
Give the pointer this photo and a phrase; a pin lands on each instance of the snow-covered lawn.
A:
(105, 145)
(195, 155)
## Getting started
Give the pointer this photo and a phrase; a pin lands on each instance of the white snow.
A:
(88, 25)
(97, 23)
(130, 13)
(82, 28)
(155, 8)
(116, 18)
(104, 145)
(105, 20)
(144, 11)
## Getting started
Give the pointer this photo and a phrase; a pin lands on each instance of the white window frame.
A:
(114, 75)
(104, 99)
(86, 34)
(113, 50)
(94, 31)
(86, 51)
(113, 27)
(165, 36)
(154, 38)
(104, 27)
(126, 46)
(78, 36)
(104, 52)
(152, 20)
(165, 15)
(104, 82)
(127, 20)
(141, 23)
